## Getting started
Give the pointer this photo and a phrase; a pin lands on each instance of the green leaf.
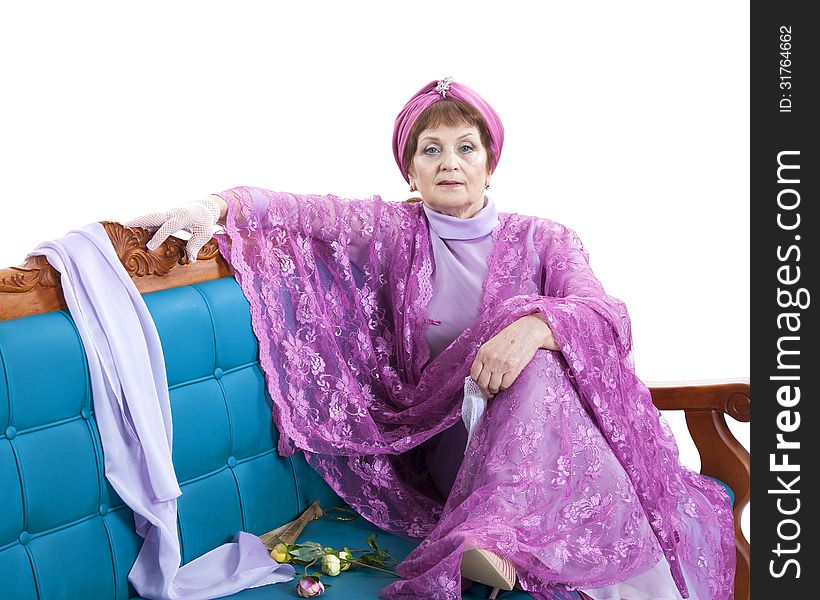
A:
(316, 545)
(307, 552)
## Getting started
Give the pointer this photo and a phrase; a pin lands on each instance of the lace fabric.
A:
(573, 473)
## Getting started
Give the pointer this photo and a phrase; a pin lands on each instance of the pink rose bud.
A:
(308, 587)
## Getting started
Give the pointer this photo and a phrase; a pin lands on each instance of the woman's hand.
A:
(199, 218)
(502, 358)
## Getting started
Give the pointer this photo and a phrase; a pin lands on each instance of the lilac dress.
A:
(460, 251)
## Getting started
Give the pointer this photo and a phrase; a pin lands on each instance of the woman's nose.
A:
(449, 159)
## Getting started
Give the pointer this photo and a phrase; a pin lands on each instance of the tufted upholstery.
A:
(64, 533)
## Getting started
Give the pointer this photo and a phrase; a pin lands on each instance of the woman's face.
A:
(450, 170)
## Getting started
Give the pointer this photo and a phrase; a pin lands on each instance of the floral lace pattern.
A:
(571, 472)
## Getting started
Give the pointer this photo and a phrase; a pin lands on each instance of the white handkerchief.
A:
(472, 408)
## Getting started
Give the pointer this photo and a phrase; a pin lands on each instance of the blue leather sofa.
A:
(64, 532)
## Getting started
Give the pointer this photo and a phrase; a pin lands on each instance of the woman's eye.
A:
(434, 150)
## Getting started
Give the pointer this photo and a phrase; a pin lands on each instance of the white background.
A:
(627, 121)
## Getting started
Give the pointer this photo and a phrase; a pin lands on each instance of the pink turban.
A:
(433, 92)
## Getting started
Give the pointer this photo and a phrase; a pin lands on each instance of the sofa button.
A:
(103, 509)
(11, 432)
(24, 538)
(218, 373)
(231, 461)
(85, 413)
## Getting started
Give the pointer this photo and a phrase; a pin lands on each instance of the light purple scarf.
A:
(133, 414)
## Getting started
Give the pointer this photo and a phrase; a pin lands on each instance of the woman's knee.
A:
(548, 362)
(546, 367)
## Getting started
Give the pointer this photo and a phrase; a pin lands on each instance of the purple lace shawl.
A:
(338, 291)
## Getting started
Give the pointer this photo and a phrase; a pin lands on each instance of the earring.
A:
(412, 186)
(487, 187)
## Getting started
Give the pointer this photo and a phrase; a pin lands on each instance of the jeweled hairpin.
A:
(443, 86)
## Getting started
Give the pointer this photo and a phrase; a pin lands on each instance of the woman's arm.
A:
(348, 225)
(352, 228)
(223, 208)
(567, 274)
(542, 331)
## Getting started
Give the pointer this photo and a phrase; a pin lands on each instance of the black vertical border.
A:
(774, 131)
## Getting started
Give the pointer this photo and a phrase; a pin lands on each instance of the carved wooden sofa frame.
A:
(34, 288)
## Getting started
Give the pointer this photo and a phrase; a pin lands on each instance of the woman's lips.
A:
(450, 183)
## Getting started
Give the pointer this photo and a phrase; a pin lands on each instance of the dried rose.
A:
(331, 564)
(308, 587)
(280, 553)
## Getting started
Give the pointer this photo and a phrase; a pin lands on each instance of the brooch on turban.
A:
(443, 86)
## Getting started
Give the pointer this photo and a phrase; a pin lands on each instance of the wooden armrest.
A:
(721, 456)
(728, 397)
(34, 287)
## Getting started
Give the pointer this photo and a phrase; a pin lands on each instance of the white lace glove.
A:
(199, 218)
(472, 409)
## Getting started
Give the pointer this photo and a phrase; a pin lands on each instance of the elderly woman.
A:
(459, 376)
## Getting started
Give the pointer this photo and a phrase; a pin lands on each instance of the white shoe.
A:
(484, 566)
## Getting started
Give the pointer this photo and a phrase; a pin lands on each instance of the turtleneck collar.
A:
(453, 228)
